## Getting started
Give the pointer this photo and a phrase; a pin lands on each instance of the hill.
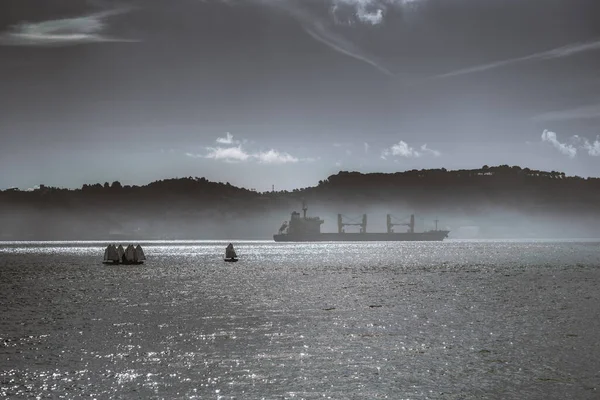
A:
(498, 201)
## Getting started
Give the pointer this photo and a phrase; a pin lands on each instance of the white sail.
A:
(139, 253)
(230, 252)
(120, 252)
(130, 253)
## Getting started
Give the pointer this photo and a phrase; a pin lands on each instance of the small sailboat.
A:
(121, 252)
(111, 255)
(133, 256)
(139, 253)
(230, 255)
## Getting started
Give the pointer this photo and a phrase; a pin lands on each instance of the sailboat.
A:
(230, 255)
(133, 255)
(118, 255)
(111, 255)
(139, 253)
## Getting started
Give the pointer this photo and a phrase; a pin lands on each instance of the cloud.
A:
(363, 11)
(227, 154)
(275, 157)
(236, 154)
(402, 149)
(366, 147)
(566, 149)
(374, 18)
(559, 52)
(323, 28)
(427, 150)
(585, 112)
(368, 11)
(592, 149)
(62, 32)
(320, 32)
(228, 139)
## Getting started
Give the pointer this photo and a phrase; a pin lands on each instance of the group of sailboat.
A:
(135, 255)
(128, 256)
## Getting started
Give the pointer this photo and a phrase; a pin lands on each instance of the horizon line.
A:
(37, 187)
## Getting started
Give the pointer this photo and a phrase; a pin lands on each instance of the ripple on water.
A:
(455, 320)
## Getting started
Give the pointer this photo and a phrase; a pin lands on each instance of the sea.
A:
(506, 319)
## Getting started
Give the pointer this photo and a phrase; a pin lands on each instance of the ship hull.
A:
(432, 236)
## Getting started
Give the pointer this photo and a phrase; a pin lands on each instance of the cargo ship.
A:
(308, 229)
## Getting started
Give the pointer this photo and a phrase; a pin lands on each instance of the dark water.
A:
(451, 320)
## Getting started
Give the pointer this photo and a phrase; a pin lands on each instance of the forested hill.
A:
(196, 208)
(504, 186)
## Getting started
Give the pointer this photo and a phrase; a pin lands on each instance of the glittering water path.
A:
(451, 320)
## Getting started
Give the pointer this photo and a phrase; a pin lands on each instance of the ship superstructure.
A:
(308, 229)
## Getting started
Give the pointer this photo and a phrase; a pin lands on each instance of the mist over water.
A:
(453, 319)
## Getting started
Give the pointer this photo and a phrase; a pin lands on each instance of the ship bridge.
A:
(302, 225)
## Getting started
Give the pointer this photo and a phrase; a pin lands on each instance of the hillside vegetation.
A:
(196, 208)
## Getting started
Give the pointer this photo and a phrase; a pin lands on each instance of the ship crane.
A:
(390, 224)
(342, 224)
(283, 227)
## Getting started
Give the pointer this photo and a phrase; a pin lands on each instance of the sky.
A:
(287, 92)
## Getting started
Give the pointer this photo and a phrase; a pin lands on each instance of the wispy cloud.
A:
(323, 28)
(559, 52)
(564, 148)
(427, 150)
(275, 157)
(585, 112)
(363, 11)
(373, 18)
(62, 32)
(593, 148)
(402, 149)
(237, 154)
(227, 154)
(228, 139)
(366, 147)
(322, 33)
(367, 11)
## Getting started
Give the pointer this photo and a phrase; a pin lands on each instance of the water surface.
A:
(444, 320)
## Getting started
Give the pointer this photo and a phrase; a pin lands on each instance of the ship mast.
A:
(304, 208)
(363, 224)
(411, 224)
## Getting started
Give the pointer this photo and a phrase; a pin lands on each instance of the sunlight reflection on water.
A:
(341, 320)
